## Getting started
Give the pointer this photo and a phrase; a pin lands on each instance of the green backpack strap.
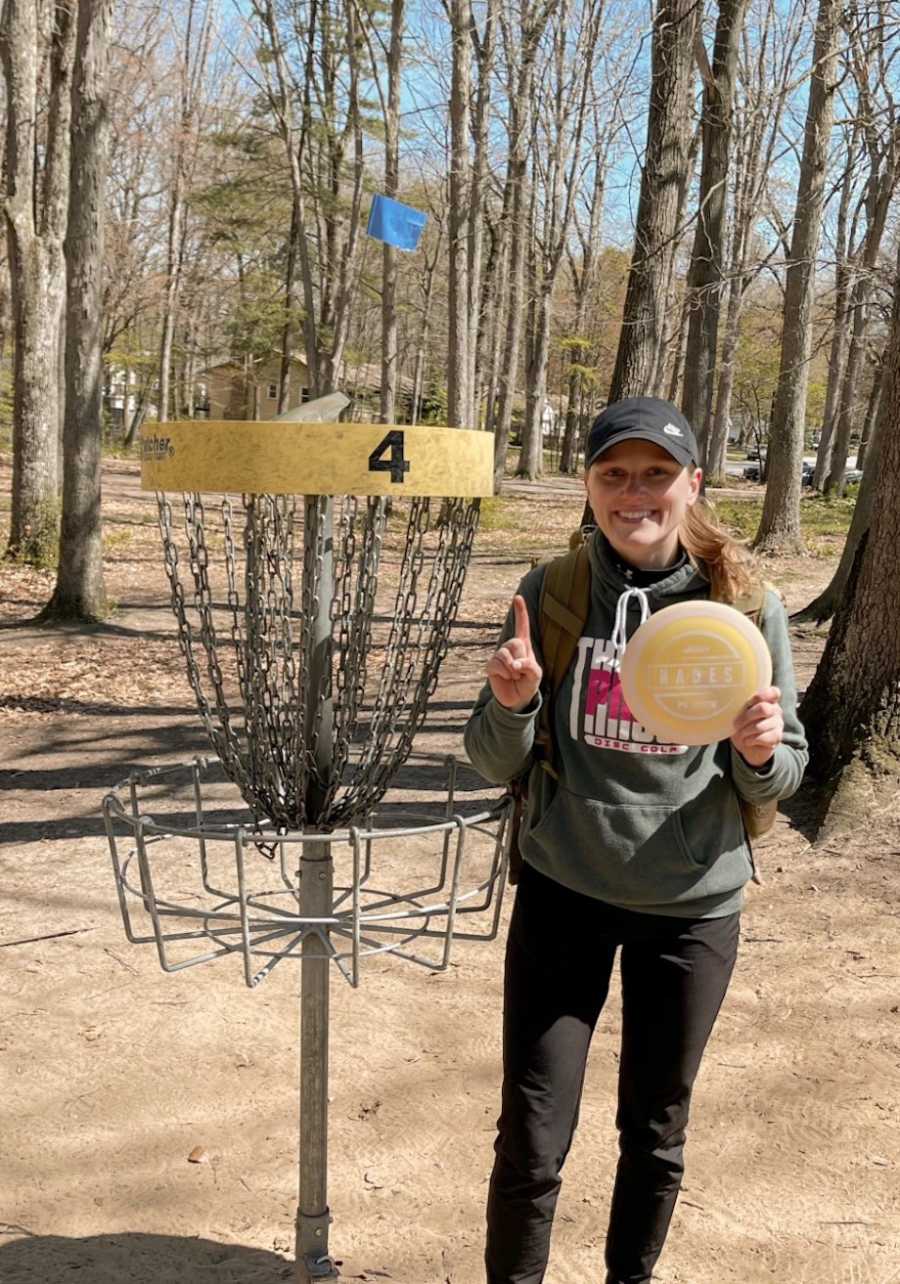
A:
(562, 615)
(758, 818)
(751, 603)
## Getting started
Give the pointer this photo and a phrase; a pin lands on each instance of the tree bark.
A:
(666, 159)
(192, 70)
(35, 210)
(79, 592)
(848, 415)
(519, 134)
(767, 75)
(706, 275)
(852, 707)
(824, 606)
(583, 279)
(559, 147)
(843, 281)
(873, 409)
(459, 367)
(480, 125)
(389, 354)
(779, 529)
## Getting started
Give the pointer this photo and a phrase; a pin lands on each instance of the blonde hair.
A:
(728, 562)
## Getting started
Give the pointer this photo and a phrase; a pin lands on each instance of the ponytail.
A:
(728, 562)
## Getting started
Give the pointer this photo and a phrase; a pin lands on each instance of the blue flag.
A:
(395, 224)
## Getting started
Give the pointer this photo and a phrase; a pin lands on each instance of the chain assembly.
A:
(250, 574)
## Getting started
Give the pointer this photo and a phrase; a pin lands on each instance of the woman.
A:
(629, 844)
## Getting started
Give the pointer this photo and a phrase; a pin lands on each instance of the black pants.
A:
(559, 959)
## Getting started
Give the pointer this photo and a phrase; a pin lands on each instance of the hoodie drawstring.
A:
(620, 636)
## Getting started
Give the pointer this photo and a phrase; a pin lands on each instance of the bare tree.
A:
(460, 318)
(587, 218)
(37, 45)
(79, 592)
(389, 370)
(311, 73)
(192, 64)
(521, 57)
(706, 276)
(779, 529)
(851, 710)
(871, 60)
(767, 73)
(562, 109)
(663, 182)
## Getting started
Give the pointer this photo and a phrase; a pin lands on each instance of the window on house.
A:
(273, 391)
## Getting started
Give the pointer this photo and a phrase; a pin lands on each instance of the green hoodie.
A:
(641, 825)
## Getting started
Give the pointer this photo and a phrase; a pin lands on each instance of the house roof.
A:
(228, 363)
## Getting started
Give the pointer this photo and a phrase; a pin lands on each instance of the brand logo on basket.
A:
(673, 431)
(156, 448)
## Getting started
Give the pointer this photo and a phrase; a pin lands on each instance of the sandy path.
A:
(113, 1072)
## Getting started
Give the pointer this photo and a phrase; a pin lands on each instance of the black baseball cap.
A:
(644, 419)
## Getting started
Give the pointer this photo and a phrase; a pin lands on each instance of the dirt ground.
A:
(113, 1072)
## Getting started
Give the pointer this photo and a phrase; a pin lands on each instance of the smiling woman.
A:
(635, 843)
(639, 496)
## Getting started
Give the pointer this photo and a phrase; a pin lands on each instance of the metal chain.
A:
(272, 753)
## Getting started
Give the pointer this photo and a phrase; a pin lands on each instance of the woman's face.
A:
(638, 494)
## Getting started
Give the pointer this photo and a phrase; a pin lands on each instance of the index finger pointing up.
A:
(523, 624)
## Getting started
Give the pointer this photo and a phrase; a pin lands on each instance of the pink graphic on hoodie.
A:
(606, 722)
(604, 688)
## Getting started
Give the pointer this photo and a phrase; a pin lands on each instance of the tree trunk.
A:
(848, 415)
(718, 443)
(681, 336)
(705, 277)
(837, 361)
(779, 529)
(497, 278)
(851, 710)
(389, 355)
(531, 460)
(459, 366)
(520, 112)
(826, 604)
(192, 69)
(423, 336)
(584, 280)
(665, 163)
(35, 210)
(873, 409)
(79, 592)
(287, 331)
(478, 293)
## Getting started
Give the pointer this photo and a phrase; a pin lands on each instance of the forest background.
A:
(693, 201)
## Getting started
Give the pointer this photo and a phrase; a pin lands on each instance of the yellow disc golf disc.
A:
(689, 669)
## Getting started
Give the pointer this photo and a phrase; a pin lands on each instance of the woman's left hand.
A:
(759, 727)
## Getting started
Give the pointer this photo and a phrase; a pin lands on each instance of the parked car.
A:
(751, 473)
(852, 476)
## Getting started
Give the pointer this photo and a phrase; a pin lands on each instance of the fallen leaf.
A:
(199, 1155)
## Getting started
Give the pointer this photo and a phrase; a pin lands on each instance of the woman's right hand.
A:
(513, 671)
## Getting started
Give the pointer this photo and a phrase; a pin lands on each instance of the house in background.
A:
(228, 390)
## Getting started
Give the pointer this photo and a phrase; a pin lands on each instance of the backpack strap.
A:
(750, 603)
(562, 615)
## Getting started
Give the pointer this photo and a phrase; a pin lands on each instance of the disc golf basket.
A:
(315, 571)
